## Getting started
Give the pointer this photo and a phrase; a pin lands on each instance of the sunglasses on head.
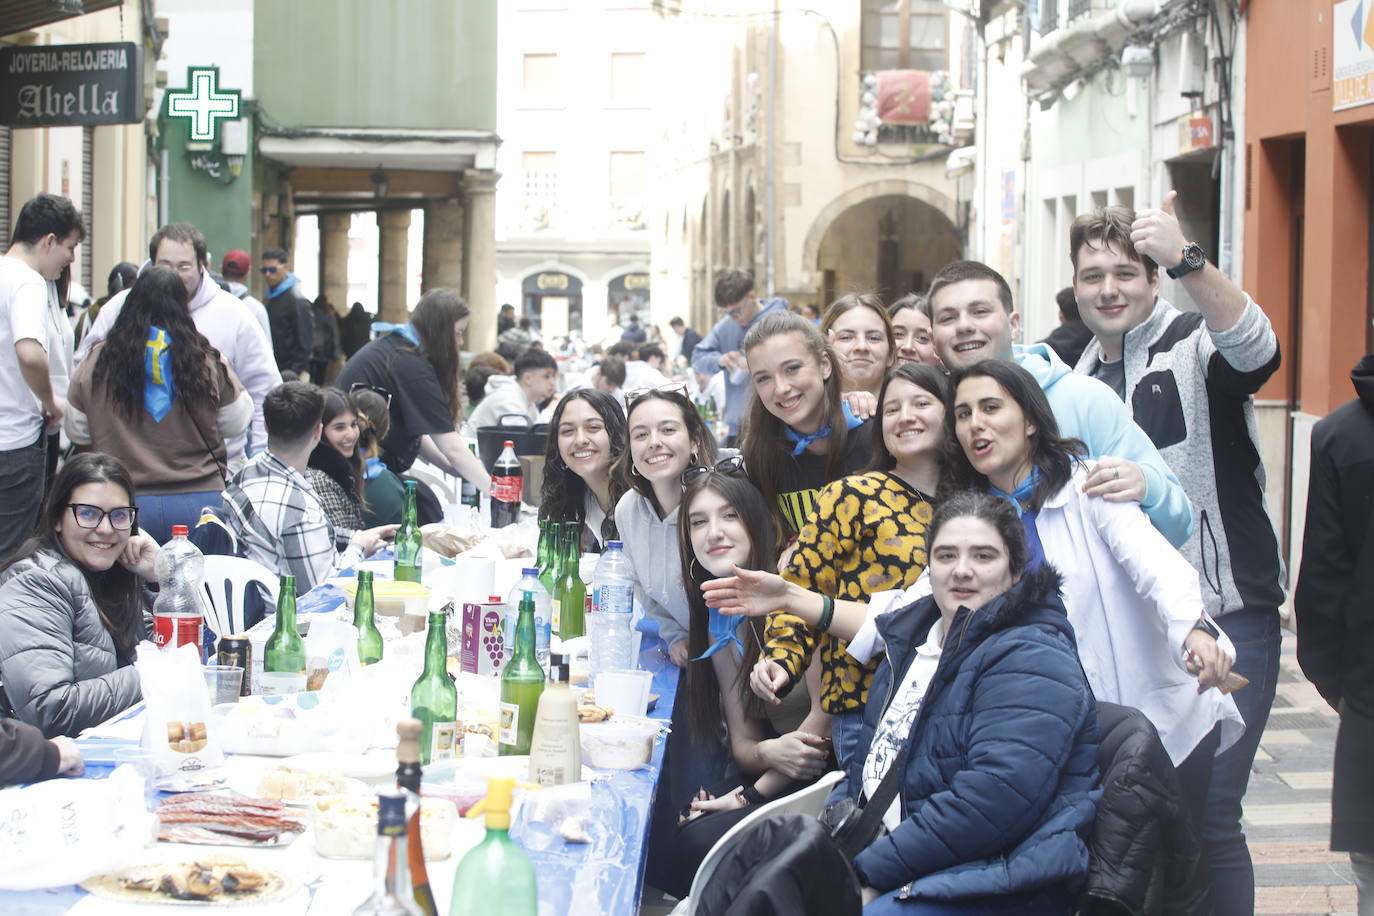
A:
(634, 394)
(375, 389)
(733, 466)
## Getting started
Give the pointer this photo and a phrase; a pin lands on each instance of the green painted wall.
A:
(223, 212)
(363, 63)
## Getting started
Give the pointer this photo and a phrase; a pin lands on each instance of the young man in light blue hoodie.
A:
(973, 319)
(736, 299)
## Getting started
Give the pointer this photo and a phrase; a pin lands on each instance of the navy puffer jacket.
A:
(1001, 782)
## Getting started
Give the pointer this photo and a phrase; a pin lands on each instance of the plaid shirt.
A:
(276, 515)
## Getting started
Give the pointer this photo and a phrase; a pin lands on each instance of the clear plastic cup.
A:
(223, 683)
(144, 763)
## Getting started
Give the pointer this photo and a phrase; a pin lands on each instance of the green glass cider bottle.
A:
(434, 698)
(548, 556)
(369, 638)
(522, 682)
(408, 540)
(283, 658)
(570, 592)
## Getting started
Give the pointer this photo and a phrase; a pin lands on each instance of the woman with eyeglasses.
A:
(666, 437)
(588, 437)
(725, 524)
(157, 396)
(799, 433)
(868, 535)
(336, 470)
(73, 604)
(384, 494)
(859, 330)
(418, 364)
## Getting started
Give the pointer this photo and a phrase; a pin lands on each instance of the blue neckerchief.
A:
(1035, 551)
(406, 330)
(804, 439)
(722, 631)
(158, 390)
(373, 468)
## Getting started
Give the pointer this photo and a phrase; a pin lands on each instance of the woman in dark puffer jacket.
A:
(981, 683)
(72, 602)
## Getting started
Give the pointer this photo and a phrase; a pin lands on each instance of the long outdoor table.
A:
(572, 877)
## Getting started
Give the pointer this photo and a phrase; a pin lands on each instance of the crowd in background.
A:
(1008, 590)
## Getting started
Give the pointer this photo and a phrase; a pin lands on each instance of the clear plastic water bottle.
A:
(543, 614)
(612, 610)
(179, 611)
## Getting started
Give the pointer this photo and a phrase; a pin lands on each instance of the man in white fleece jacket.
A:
(219, 315)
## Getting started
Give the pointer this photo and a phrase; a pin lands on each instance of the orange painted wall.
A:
(1288, 119)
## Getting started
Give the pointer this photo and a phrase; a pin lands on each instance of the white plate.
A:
(367, 767)
(246, 783)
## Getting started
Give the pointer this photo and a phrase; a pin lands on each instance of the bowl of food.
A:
(346, 826)
(619, 743)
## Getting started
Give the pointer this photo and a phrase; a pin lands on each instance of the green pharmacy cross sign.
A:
(203, 103)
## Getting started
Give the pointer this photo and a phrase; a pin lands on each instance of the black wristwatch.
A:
(1193, 259)
(1207, 626)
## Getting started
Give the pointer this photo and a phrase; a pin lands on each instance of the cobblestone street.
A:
(1288, 805)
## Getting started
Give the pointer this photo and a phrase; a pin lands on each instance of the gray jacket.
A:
(57, 661)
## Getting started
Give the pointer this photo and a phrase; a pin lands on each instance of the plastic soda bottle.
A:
(179, 611)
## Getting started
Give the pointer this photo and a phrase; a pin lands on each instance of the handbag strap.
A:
(877, 804)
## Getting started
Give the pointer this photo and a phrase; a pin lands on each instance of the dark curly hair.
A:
(562, 496)
(157, 299)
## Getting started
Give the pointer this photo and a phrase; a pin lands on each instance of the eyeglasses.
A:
(88, 516)
(375, 389)
(734, 466)
(634, 394)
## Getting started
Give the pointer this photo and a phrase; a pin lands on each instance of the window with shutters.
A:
(904, 35)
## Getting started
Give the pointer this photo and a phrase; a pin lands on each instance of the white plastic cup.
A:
(625, 691)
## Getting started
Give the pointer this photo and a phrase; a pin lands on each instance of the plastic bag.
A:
(177, 727)
(65, 830)
(331, 651)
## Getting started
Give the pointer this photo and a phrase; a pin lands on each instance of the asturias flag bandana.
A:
(158, 390)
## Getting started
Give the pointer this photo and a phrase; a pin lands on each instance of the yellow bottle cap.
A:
(499, 792)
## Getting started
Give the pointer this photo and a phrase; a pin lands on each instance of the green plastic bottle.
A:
(408, 540)
(495, 878)
(570, 592)
(369, 638)
(522, 682)
(283, 658)
(434, 698)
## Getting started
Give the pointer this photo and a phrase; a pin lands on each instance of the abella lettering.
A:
(46, 102)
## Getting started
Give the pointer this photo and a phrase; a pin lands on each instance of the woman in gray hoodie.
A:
(73, 603)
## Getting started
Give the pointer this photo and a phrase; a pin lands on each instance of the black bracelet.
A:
(827, 613)
(752, 795)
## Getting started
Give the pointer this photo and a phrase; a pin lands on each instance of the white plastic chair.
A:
(809, 800)
(227, 580)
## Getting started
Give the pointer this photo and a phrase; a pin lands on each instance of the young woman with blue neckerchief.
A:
(724, 523)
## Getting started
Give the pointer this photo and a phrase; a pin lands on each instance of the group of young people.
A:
(929, 548)
(924, 550)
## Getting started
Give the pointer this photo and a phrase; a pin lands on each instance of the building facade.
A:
(810, 143)
(575, 98)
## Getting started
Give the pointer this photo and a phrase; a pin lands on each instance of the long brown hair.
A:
(765, 537)
(563, 494)
(922, 376)
(764, 442)
(347, 472)
(703, 443)
(117, 592)
(433, 319)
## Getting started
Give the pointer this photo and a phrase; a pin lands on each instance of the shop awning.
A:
(22, 15)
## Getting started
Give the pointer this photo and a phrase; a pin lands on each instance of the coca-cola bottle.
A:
(178, 612)
(506, 481)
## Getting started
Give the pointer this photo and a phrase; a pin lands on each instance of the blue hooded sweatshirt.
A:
(1087, 409)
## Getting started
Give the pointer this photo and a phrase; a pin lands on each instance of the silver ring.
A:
(1116, 473)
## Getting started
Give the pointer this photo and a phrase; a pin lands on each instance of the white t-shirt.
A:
(28, 311)
(895, 726)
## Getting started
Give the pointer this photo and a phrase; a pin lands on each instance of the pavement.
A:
(1287, 816)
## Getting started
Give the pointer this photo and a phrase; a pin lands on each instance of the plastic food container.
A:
(619, 743)
(346, 826)
(392, 598)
